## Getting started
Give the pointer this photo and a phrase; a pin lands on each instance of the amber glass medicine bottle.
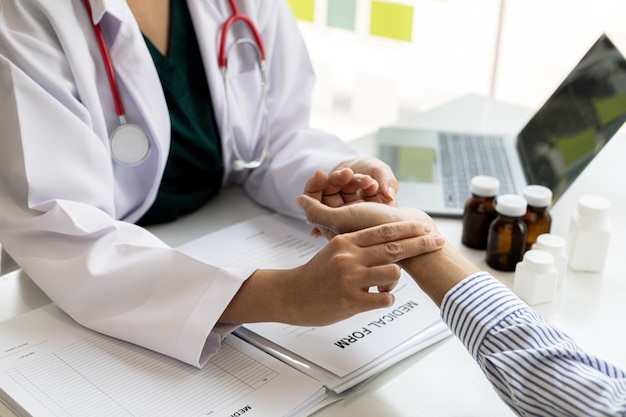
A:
(537, 218)
(479, 211)
(506, 241)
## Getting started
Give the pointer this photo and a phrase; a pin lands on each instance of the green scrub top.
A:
(194, 170)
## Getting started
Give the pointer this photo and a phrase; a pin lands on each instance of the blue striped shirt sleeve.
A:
(535, 368)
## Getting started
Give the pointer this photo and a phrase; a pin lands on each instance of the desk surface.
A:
(443, 379)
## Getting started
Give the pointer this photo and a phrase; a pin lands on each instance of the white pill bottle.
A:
(536, 277)
(556, 246)
(589, 234)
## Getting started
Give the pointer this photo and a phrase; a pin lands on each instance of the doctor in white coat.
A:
(68, 209)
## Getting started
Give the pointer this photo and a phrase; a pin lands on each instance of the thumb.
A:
(315, 213)
(314, 210)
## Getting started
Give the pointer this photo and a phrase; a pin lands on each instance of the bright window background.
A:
(378, 61)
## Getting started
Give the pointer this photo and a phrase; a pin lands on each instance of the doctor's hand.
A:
(358, 180)
(335, 284)
(436, 272)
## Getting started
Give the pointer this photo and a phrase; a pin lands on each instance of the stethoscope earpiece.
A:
(238, 165)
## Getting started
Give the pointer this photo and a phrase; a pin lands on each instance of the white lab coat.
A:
(67, 210)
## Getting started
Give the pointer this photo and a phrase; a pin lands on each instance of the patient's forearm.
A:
(437, 272)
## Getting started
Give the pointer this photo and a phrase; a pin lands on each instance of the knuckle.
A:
(423, 245)
(393, 249)
(391, 273)
(387, 231)
(342, 261)
(337, 242)
(385, 299)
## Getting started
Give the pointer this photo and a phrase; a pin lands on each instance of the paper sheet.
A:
(51, 366)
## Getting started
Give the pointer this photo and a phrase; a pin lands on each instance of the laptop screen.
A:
(577, 120)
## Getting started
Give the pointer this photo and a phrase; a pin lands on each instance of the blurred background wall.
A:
(377, 61)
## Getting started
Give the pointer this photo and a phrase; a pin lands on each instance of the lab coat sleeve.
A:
(297, 150)
(58, 213)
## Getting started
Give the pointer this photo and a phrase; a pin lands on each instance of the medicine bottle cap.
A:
(484, 186)
(538, 260)
(511, 205)
(550, 242)
(538, 195)
(593, 206)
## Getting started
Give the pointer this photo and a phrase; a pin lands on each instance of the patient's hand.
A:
(341, 187)
(386, 181)
(331, 221)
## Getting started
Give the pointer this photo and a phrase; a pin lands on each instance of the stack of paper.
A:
(51, 366)
(340, 355)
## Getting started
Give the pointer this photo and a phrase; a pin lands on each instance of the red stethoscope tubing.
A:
(129, 143)
(108, 63)
(237, 15)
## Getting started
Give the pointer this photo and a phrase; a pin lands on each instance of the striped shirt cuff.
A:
(475, 305)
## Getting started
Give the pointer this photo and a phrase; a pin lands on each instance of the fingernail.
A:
(392, 192)
(428, 228)
(440, 240)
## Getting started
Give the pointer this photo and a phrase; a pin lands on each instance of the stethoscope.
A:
(240, 163)
(130, 144)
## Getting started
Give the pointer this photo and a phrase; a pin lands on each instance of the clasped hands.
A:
(329, 202)
(369, 237)
(361, 206)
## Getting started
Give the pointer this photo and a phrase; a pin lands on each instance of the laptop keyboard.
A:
(466, 155)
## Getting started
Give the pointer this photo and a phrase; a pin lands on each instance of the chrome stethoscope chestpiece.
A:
(129, 144)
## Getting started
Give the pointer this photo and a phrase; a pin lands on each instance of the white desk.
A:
(443, 380)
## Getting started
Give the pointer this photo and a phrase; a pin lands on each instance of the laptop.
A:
(434, 168)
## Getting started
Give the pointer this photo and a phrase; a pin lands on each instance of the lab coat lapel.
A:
(137, 77)
(101, 7)
(138, 80)
(142, 96)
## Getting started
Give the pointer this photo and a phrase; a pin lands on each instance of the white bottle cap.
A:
(550, 243)
(538, 195)
(511, 205)
(484, 186)
(538, 260)
(593, 206)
